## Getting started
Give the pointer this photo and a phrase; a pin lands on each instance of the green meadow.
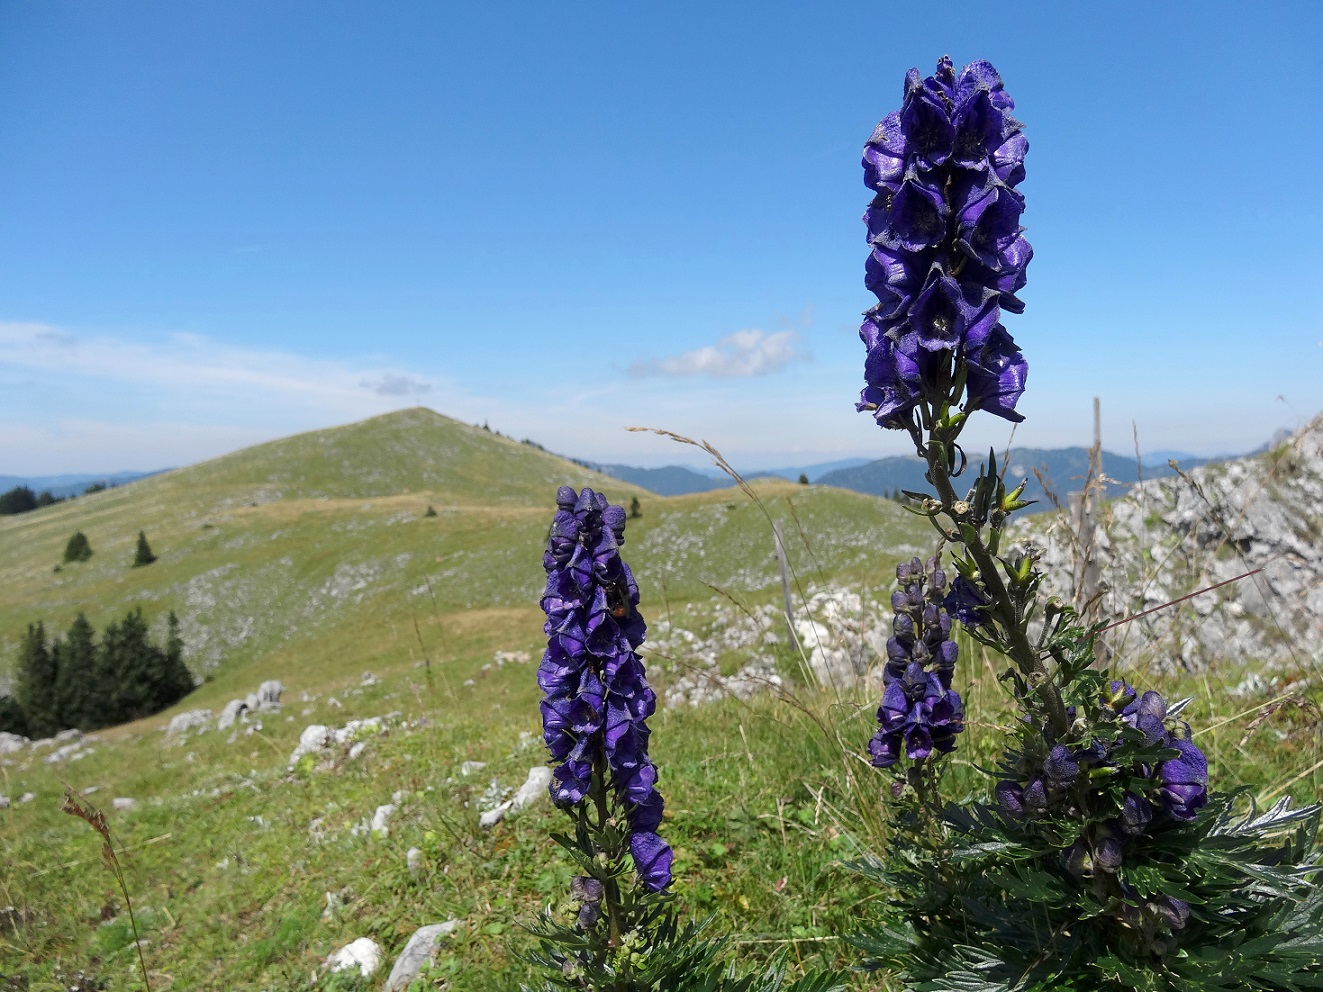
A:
(313, 560)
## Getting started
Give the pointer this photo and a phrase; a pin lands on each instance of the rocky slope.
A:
(1173, 536)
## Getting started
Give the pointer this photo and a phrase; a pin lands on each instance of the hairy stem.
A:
(1013, 625)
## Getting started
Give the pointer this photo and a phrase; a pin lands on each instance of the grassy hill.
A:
(281, 544)
(318, 545)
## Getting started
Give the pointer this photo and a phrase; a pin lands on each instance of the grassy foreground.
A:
(230, 856)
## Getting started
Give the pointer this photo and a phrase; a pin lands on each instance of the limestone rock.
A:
(534, 787)
(268, 695)
(381, 821)
(182, 723)
(363, 954)
(422, 947)
(232, 711)
(1177, 535)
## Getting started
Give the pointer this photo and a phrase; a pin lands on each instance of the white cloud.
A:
(390, 384)
(193, 364)
(81, 401)
(740, 355)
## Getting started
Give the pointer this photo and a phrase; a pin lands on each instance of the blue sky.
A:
(222, 223)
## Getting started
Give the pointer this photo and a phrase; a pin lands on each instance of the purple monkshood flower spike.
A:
(597, 698)
(920, 712)
(948, 253)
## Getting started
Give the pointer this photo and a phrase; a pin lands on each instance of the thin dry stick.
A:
(720, 461)
(74, 805)
(1182, 599)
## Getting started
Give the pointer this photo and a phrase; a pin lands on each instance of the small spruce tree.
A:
(78, 548)
(635, 508)
(178, 679)
(431, 511)
(143, 556)
(75, 680)
(36, 676)
(803, 479)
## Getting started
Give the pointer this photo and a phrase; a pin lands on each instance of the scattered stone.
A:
(511, 657)
(334, 903)
(334, 703)
(72, 734)
(470, 682)
(368, 679)
(123, 803)
(357, 749)
(315, 737)
(381, 821)
(4, 803)
(182, 723)
(91, 789)
(363, 954)
(268, 695)
(420, 950)
(27, 797)
(469, 767)
(9, 743)
(75, 750)
(413, 860)
(534, 788)
(232, 711)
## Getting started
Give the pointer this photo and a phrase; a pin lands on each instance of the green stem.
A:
(611, 895)
(1013, 626)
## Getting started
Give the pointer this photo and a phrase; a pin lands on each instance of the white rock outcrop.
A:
(1173, 536)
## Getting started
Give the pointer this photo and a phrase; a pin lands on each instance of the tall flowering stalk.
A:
(1100, 860)
(597, 699)
(622, 933)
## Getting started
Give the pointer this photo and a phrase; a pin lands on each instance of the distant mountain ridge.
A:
(1063, 469)
(71, 485)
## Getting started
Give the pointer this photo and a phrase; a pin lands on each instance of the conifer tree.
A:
(178, 679)
(78, 548)
(36, 683)
(144, 555)
(138, 667)
(75, 682)
(20, 499)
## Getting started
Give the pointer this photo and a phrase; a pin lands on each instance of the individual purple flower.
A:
(948, 253)
(997, 374)
(1184, 781)
(967, 603)
(597, 699)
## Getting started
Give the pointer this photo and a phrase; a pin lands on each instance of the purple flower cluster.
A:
(597, 698)
(1177, 787)
(920, 711)
(1174, 789)
(947, 253)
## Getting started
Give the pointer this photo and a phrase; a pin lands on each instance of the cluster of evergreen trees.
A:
(84, 683)
(21, 499)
